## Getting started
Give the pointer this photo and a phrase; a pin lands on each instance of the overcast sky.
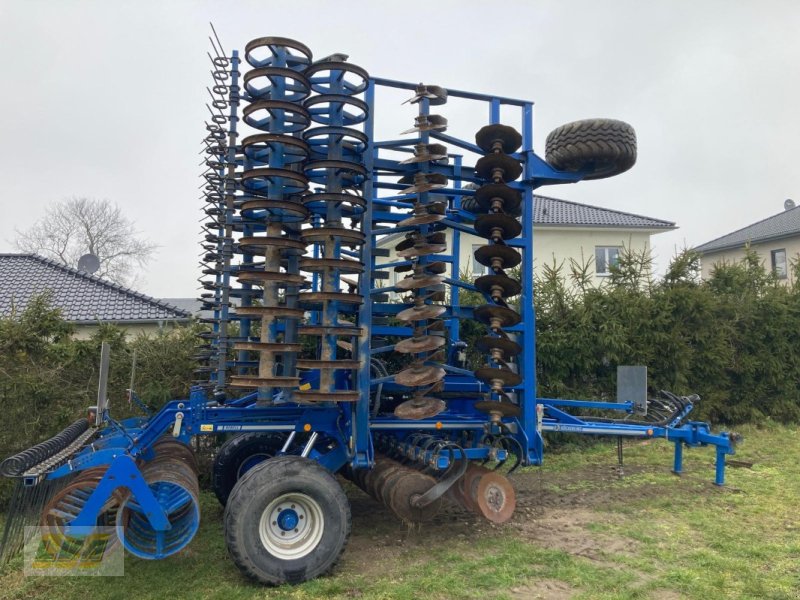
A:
(107, 99)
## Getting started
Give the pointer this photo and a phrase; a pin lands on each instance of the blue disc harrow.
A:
(331, 275)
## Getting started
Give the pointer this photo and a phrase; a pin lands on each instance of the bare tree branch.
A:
(78, 226)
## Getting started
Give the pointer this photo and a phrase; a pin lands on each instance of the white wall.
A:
(764, 250)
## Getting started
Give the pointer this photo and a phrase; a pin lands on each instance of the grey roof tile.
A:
(786, 223)
(556, 212)
(81, 297)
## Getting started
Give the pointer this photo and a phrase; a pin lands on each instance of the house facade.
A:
(563, 231)
(775, 239)
(85, 301)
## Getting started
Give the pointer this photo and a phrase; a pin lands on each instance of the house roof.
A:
(82, 298)
(554, 212)
(786, 223)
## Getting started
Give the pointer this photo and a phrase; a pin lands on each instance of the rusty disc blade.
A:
(328, 364)
(419, 407)
(495, 497)
(469, 487)
(346, 346)
(279, 211)
(309, 298)
(422, 313)
(506, 256)
(426, 153)
(435, 94)
(273, 242)
(322, 264)
(427, 123)
(267, 346)
(324, 234)
(269, 312)
(347, 330)
(275, 277)
(314, 396)
(422, 182)
(504, 409)
(373, 482)
(415, 345)
(419, 374)
(488, 166)
(416, 282)
(389, 482)
(507, 377)
(497, 226)
(508, 347)
(406, 491)
(507, 138)
(507, 287)
(254, 382)
(424, 218)
(422, 249)
(494, 315)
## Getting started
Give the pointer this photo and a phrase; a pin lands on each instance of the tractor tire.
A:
(602, 147)
(287, 521)
(237, 456)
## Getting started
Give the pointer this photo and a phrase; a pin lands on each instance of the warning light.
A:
(649, 432)
(438, 424)
(307, 427)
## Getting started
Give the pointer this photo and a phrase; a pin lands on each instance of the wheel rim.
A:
(291, 526)
(250, 462)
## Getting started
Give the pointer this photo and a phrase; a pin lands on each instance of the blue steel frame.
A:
(338, 434)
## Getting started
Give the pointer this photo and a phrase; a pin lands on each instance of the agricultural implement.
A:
(331, 263)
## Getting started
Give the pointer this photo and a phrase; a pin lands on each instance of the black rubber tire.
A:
(232, 455)
(604, 147)
(253, 494)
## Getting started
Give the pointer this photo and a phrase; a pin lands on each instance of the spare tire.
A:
(601, 147)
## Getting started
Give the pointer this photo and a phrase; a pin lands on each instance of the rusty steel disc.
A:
(495, 497)
(504, 409)
(406, 491)
(168, 447)
(490, 254)
(471, 479)
(419, 374)
(268, 312)
(282, 211)
(498, 137)
(427, 123)
(249, 381)
(422, 182)
(328, 364)
(274, 277)
(415, 282)
(424, 218)
(346, 346)
(422, 313)
(422, 249)
(314, 396)
(497, 316)
(347, 330)
(267, 346)
(435, 94)
(498, 284)
(508, 347)
(458, 494)
(437, 267)
(502, 165)
(488, 374)
(323, 264)
(324, 234)
(419, 407)
(415, 345)
(389, 483)
(426, 153)
(497, 226)
(273, 242)
(317, 298)
(373, 480)
(378, 482)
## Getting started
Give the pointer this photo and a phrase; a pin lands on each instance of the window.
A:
(477, 268)
(779, 263)
(605, 257)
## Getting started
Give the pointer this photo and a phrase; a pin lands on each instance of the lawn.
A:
(580, 531)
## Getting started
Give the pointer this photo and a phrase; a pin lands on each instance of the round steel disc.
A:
(488, 374)
(508, 137)
(422, 250)
(489, 312)
(377, 483)
(416, 282)
(407, 489)
(505, 409)
(486, 194)
(423, 343)
(391, 480)
(487, 165)
(509, 227)
(422, 313)
(421, 219)
(510, 287)
(419, 407)
(508, 347)
(510, 258)
(495, 497)
(419, 375)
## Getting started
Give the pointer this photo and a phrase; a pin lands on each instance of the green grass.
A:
(658, 536)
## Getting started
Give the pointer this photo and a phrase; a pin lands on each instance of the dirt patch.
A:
(543, 589)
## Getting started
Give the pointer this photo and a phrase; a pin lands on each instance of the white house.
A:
(563, 230)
